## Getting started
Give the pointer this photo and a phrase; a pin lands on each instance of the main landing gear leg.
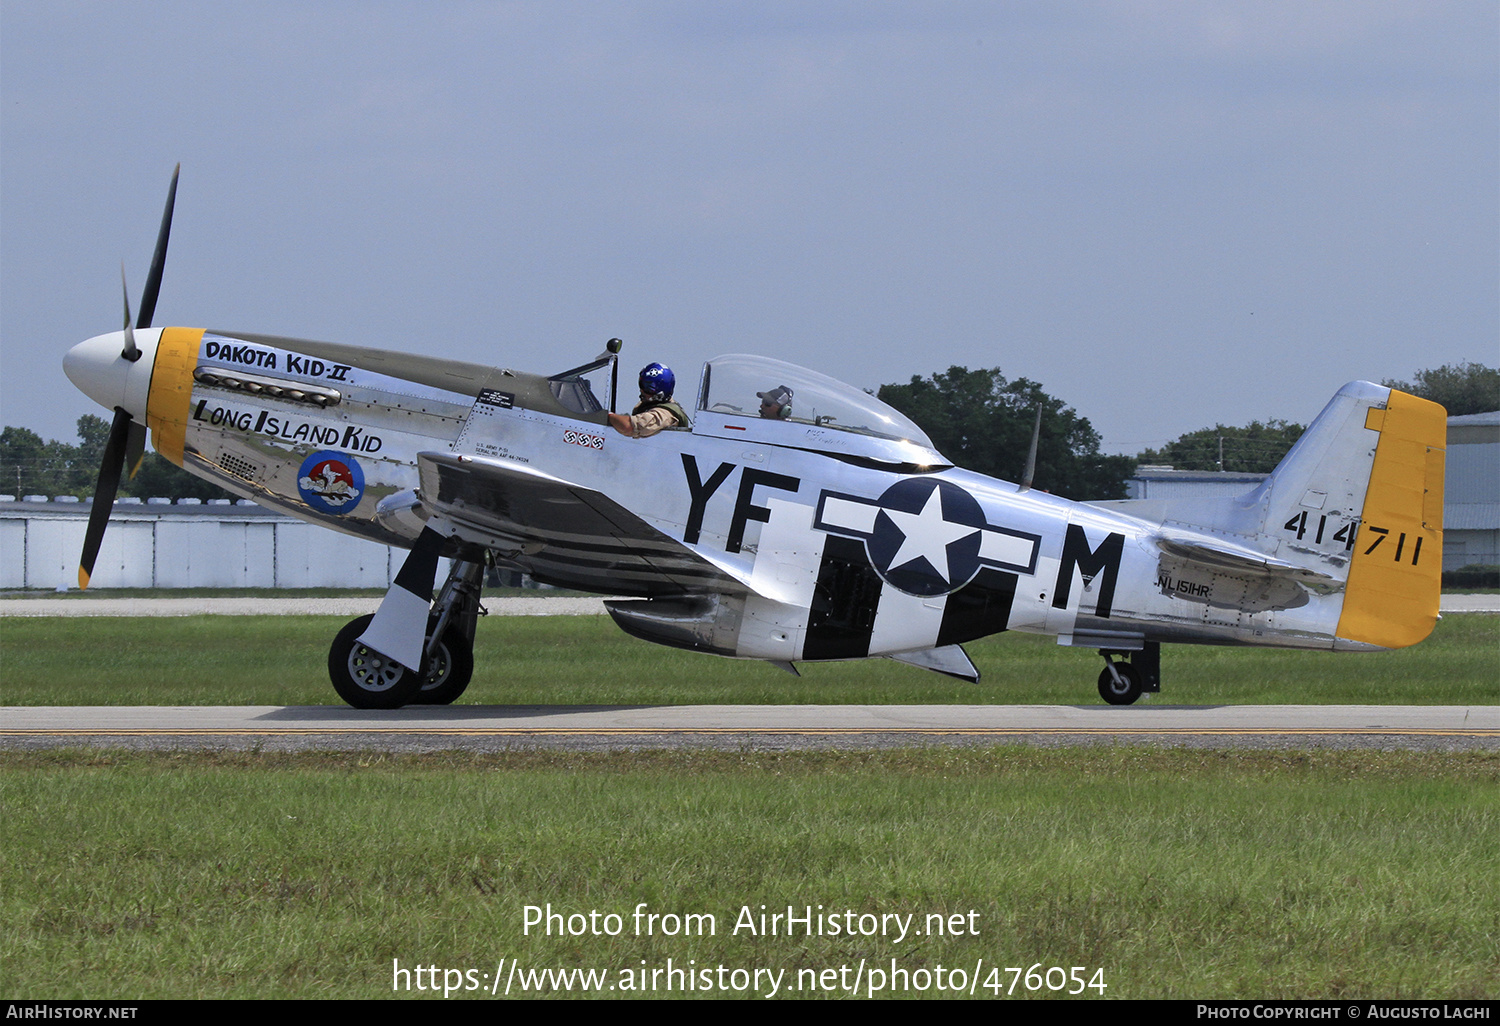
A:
(450, 635)
(371, 659)
(1123, 682)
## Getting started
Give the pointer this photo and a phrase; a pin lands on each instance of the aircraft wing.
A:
(562, 533)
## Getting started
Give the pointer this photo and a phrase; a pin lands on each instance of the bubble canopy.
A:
(732, 387)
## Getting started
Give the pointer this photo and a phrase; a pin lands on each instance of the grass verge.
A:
(1178, 873)
(585, 660)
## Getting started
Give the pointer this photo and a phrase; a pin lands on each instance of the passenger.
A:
(656, 409)
(776, 404)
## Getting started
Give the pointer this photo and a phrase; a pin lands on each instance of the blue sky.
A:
(1169, 214)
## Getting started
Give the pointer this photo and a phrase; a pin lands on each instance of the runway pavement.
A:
(498, 728)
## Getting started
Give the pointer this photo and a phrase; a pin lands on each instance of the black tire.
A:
(1126, 691)
(363, 677)
(448, 671)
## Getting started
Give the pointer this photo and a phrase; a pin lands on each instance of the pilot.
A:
(776, 404)
(656, 410)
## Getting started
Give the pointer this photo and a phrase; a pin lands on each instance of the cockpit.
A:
(755, 397)
(766, 401)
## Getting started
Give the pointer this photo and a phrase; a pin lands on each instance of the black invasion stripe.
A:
(848, 593)
(979, 608)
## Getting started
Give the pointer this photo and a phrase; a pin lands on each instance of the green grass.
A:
(585, 660)
(1178, 873)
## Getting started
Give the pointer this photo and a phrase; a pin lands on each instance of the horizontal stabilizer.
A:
(1227, 555)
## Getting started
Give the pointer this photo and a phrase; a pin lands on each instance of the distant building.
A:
(1162, 482)
(1471, 492)
(187, 544)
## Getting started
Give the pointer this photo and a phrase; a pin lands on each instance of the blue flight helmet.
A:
(657, 381)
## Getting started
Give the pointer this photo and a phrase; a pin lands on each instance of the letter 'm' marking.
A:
(1090, 562)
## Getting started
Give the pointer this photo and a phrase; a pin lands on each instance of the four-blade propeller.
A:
(127, 436)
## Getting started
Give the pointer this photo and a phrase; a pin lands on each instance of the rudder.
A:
(1395, 577)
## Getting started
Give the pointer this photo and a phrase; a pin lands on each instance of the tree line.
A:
(1460, 388)
(983, 421)
(31, 466)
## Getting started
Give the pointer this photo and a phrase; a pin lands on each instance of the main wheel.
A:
(363, 677)
(448, 671)
(1124, 691)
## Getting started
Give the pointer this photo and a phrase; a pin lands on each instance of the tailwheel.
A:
(1120, 683)
(450, 666)
(366, 679)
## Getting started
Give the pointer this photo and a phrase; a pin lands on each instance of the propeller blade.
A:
(104, 493)
(130, 352)
(159, 259)
(135, 447)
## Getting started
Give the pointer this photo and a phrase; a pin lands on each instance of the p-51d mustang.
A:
(831, 529)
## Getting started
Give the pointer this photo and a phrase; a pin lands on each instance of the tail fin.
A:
(1363, 489)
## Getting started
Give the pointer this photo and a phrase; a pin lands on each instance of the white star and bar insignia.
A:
(926, 536)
